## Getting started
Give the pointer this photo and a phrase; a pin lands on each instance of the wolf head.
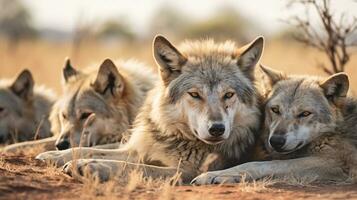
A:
(210, 85)
(300, 109)
(17, 110)
(93, 108)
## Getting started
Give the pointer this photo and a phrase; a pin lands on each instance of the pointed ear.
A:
(336, 86)
(251, 56)
(68, 70)
(109, 82)
(23, 85)
(169, 59)
(272, 75)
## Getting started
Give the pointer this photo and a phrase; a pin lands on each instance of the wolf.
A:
(206, 104)
(310, 132)
(98, 105)
(24, 109)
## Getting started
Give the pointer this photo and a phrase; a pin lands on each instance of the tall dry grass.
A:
(46, 59)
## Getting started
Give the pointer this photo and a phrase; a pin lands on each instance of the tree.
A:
(169, 21)
(225, 23)
(117, 30)
(334, 40)
(15, 21)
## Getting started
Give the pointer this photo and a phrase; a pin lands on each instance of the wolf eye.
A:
(85, 115)
(194, 95)
(304, 114)
(228, 95)
(275, 110)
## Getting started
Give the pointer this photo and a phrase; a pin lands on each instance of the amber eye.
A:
(194, 95)
(275, 110)
(85, 115)
(228, 95)
(304, 114)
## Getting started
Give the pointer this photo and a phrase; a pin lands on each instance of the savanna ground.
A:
(23, 177)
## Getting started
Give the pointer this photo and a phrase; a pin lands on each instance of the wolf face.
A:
(92, 107)
(300, 109)
(209, 84)
(19, 114)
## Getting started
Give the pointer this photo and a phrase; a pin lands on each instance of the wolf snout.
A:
(63, 144)
(277, 142)
(216, 129)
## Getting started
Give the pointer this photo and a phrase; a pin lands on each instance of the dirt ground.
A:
(23, 177)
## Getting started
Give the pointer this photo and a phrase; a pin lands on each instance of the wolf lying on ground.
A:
(97, 106)
(24, 109)
(206, 103)
(310, 132)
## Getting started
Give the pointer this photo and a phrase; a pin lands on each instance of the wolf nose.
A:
(216, 130)
(62, 145)
(277, 141)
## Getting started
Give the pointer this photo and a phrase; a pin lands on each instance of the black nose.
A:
(216, 130)
(2, 139)
(62, 145)
(277, 141)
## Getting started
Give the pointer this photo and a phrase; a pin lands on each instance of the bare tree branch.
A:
(334, 39)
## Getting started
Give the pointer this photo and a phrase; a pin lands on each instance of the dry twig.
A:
(335, 38)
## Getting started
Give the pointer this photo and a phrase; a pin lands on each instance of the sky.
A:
(65, 14)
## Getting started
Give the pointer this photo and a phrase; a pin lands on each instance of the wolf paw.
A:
(58, 158)
(88, 168)
(215, 178)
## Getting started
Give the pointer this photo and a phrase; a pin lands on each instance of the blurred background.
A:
(39, 34)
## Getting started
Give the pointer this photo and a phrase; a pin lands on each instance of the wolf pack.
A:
(205, 116)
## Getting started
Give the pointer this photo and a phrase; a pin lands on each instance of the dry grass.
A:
(46, 59)
(23, 177)
(256, 186)
(136, 184)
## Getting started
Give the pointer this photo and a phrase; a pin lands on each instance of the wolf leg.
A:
(108, 146)
(47, 144)
(59, 158)
(308, 167)
(103, 170)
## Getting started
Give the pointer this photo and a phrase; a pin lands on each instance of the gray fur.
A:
(324, 144)
(166, 131)
(112, 96)
(97, 106)
(24, 109)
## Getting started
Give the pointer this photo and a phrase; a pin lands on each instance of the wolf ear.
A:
(169, 59)
(23, 85)
(109, 82)
(251, 55)
(336, 86)
(272, 75)
(68, 70)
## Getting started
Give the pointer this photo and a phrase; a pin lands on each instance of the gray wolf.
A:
(310, 132)
(98, 105)
(205, 104)
(24, 109)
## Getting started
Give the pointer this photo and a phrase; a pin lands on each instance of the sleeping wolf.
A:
(24, 109)
(98, 105)
(310, 132)
(206, 103)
